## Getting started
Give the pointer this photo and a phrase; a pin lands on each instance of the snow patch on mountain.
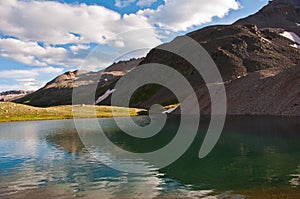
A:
(105, 95)
(292, 36)
(295, 46)
(170, 110)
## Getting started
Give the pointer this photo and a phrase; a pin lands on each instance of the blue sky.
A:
(42, 39)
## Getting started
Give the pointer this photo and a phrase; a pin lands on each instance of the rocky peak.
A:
(65, 80)
(283, 14)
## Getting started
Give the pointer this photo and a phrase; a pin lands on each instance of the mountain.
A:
(59, 90)
(13, 94)
(238, 50)
(258, 58)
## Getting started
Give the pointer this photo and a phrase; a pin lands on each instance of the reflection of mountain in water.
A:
(69, 141)
(251, 153)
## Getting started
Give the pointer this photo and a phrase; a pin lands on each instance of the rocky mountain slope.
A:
(59, 90)
(283, 14)
(266, 92)
(238, 50)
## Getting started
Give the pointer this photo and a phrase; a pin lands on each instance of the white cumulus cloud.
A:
(30, 73)
(55, 24)
(52, 34)
(31, 79)
(31, 53)
(60, 23)
(76, 48)
(78, 25)
(180, 15)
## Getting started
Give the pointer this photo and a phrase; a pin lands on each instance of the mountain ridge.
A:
(252, 52)
(283, 14)
(59, 90)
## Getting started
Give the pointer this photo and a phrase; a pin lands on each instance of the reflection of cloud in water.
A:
(49, 164)
(25, 135)
(295, 181)
(47, 159)
(110, 186)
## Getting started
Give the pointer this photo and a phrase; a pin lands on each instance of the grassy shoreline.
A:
(12, 112)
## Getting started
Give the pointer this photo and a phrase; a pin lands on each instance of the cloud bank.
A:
(54, 23)
(180, 15)
(31, 79)
(60, 35)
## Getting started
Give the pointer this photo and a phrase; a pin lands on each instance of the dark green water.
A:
(255, 158)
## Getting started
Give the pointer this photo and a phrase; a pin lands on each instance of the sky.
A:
(40, 39)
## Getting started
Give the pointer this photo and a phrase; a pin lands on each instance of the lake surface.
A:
(254, 158)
